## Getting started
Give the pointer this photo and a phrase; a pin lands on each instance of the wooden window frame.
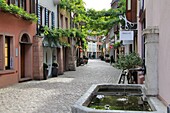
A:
(6, 51)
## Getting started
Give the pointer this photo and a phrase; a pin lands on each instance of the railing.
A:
(130, 76)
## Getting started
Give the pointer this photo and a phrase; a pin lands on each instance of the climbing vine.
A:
(13, 9)
(95, 22)
(57, 35)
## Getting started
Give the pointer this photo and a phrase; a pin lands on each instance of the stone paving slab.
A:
(56, 95)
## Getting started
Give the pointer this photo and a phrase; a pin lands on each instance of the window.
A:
(52, 20)
(6, 56)
(61, 21)
(32, 6)
(11, 2)
(48, 23)
(16, 3)
(47, 17)
(7, 52)
(66, 21)
(6, 59)
(141, 4)
(23, 4)
(40, 15)
(129, 4)
(19, 3)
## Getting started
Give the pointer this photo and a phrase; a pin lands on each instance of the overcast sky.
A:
(98, 4)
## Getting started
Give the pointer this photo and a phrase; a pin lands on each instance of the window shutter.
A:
(52, 20)
(33, 6)
(39, 15)
(46, 16)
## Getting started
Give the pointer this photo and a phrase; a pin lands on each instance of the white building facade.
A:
(153, 45)
(47, 16)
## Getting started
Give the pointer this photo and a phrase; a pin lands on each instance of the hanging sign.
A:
(126, 35)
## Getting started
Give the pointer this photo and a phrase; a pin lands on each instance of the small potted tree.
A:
(129, 62)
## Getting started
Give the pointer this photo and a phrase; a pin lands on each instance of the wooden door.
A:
(22, 61)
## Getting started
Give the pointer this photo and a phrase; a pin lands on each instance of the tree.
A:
(95, 22)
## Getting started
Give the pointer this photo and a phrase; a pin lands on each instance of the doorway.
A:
(25, 58)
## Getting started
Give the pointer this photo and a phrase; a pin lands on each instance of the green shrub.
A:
(128, 61)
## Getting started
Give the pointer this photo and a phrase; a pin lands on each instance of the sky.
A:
(98, 4)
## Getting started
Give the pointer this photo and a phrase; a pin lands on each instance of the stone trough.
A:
(82, 105)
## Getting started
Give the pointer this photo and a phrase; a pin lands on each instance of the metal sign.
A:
(126, 42)
(126, 35)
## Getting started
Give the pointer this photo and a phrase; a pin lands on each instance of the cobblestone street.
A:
(56, 95)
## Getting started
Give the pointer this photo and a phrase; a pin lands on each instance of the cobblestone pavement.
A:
(56, 95)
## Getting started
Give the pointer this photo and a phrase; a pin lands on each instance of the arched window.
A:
(25, 39)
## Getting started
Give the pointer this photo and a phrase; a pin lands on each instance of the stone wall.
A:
(37, 58)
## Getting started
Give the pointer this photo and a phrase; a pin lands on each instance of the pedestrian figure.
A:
(111, 60)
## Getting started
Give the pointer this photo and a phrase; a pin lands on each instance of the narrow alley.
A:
(56, 95)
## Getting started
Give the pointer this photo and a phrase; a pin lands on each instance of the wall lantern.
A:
(56, 2)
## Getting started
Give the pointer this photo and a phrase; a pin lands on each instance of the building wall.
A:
(11, 25)
(65, 56)
(164, 53)
(94, 46)
(49, 55)
(157, 14)
(152, 12)
(49, 4)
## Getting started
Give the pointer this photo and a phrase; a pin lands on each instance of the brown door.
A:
(22, 61)
(64, 58)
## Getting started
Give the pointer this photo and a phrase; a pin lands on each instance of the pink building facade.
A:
(16, 49)
(153, 45)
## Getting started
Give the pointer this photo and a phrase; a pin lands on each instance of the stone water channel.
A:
(95, 100)
(56, 95)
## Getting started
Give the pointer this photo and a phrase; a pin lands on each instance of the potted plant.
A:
(129, 62)
(107, 59)
(55, 69)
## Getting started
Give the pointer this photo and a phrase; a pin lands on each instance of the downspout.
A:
(37, 16)
(58, 16)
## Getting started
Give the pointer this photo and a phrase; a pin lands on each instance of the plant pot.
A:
(54, 71)
(45, 74)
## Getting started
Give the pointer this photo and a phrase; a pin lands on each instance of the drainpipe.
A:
(58, 16)
(37, 16)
